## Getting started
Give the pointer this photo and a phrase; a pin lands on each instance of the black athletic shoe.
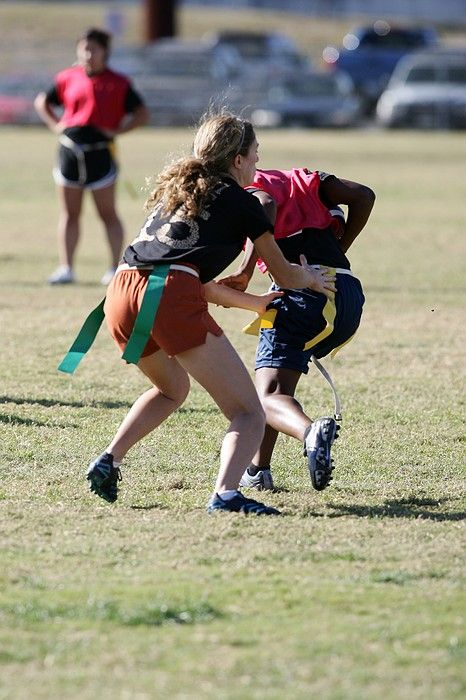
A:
(240, 504)
(317, 444)
(103, 477)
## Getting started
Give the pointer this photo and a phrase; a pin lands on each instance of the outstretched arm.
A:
(222, 295)
(289, 275)
(360, 200)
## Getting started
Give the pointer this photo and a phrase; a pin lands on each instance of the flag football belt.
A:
(79, 150)
(142, 325)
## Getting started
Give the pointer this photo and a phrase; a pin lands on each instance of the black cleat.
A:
(317, 444)
(103, 477)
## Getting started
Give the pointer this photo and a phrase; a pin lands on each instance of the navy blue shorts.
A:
(307, 323)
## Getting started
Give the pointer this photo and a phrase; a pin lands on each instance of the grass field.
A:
(355, 593)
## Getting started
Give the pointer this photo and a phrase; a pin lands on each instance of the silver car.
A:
(427, 90)
(309, 100)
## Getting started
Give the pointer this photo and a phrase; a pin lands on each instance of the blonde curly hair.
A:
(189, 181)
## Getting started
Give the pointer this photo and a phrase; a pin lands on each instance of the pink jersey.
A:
(296, 194)
(97, 100)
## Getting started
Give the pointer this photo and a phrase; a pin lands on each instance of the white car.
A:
(426, 90)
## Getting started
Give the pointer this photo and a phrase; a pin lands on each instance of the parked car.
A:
(369, 55)
(179, 78)
(265, 55)
(311, 99)
(17, 93)
(427, 89)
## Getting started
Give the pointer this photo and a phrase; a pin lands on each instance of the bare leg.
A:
(105, 203)
(263, 456)
(218, 368)
(171, 386)
(276, 388)
(70, 200)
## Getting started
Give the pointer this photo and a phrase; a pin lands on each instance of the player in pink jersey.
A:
(302, 324)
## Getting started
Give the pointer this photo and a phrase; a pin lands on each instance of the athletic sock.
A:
(253, 469)
(228, 495)
(116, 463)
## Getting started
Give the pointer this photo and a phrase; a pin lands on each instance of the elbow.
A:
(41, 105)
(369, 196)
(39, 102)
(364, 202)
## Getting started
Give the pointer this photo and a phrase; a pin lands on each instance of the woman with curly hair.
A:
(199, 218)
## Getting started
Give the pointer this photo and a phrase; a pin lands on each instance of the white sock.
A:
(228, 495)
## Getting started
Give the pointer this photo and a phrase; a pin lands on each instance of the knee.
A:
(109, 217)
(180, 392)
(70, 218)
(184, 390)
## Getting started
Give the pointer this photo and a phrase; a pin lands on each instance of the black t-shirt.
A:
(319, 245)
(211, 241)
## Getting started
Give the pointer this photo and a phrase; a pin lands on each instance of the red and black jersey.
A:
(100, 100)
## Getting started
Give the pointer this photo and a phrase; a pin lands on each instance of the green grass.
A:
(355, 593)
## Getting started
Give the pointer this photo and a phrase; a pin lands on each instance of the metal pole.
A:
(159, 19)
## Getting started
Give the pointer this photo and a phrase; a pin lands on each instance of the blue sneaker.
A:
(317, 444)
(240, 504)
(103, 477)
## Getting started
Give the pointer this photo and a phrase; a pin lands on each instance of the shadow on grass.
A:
(17, 420)
(423, 508)
(59, 402)
(150, 506)
(90, 404)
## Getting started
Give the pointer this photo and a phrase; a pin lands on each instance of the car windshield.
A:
(183, 65)
(394, 39)
(421, 74)
(437, 74)
(457, 75)
(315, 86)
(248, 47)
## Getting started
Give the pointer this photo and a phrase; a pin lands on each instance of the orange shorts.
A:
(182, 320)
